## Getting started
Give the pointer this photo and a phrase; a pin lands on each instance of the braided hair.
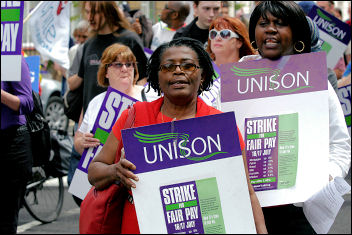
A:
(205, 63)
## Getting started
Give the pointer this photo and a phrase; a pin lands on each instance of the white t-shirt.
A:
(94, 106)
(91, 113)
(161, 34)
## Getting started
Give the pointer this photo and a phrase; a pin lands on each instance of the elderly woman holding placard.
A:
(118, 69)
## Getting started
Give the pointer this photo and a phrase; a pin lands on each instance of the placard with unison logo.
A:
(11, 40)
(333, 33)
(191, 175)
(114, 103)
(262, 90)
(344, 94)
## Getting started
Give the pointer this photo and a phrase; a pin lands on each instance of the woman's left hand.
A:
(124, 172)
(137, 26)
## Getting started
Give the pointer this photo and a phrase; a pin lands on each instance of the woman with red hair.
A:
(228, 41)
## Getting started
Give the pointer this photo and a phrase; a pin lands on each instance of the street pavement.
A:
(68, 221)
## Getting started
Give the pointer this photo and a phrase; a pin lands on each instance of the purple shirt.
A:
(23, 90)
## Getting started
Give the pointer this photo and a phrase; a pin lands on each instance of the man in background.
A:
(80, 35)
(206, 12)
(108, 25)
(172, 18)
(225, 8)
(327, 6)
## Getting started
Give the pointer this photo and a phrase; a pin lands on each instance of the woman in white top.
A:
(276, 29)
(118, 69)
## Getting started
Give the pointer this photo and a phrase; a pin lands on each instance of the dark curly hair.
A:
(203, 57)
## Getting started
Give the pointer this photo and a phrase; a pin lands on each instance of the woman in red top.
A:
(181, 70)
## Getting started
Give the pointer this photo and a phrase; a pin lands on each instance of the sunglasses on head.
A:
(224, 34)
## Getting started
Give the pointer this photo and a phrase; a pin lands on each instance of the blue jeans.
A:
(63, 86)
(74, 160)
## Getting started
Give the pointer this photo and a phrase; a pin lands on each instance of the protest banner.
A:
(113, 104)
(50, 31)
(344, 94)
(211, 96)
(11, 40)
(191, 176)
(34, 69)
(282, 111)
(334, 34)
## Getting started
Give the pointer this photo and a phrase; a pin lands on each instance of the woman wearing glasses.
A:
(228, 41)
(181, 70)
(118, 69)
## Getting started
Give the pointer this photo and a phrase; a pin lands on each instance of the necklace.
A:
(162, 117)
(172, 127)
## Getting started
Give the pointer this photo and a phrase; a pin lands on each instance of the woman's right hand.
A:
(88, 141)
(85, 140)
(124, 172)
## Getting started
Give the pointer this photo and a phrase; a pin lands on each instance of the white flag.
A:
(50, 31)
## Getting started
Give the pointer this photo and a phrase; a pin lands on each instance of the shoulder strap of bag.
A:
(35, 119)
(130, 117)
(144, 98)
(128, 124)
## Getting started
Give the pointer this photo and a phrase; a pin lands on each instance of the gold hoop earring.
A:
(299, 51)
(253, 46)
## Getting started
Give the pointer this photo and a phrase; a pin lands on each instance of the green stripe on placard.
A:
(348, 120)
(287, 160)
(210, 206)
(326, 47)
(10, 15)
(177, 205)
(263, 135)
(101, 135)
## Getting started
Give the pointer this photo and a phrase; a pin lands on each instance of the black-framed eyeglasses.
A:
(185, 67)
(119, 65)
